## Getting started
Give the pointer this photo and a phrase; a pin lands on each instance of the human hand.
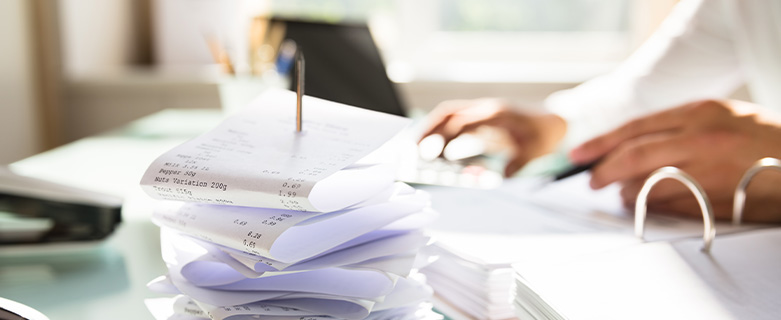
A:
(531, 135)
(714, 141)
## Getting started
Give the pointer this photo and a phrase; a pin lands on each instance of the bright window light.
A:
(485, 40)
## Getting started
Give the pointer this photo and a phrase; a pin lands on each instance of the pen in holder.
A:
(674, 173)
(740, 191)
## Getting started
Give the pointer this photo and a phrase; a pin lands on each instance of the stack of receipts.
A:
(259, 221)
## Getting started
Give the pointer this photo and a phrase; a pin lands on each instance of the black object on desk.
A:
(344, 65)
(35, 211)
(575, 170)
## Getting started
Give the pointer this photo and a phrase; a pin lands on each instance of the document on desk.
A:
(256, 158)
(738, 279)
(523, 223)
(587, 210)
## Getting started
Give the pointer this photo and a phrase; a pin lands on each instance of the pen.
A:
(575, 170)
(286, 58)
(219, 54)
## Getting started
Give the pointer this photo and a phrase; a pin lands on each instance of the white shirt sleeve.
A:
(691, 56)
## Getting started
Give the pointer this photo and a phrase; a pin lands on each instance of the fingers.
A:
(762, 210)
(683, 205)
(453, 118)
(636, 158)
(463, 123)
(519, 160)
(441, 115)
(719, 186)
(690, 208)
(598, 147)
(533, 134)
(664, 190)
(671, 196)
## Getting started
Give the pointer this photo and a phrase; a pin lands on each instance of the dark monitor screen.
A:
(344, 65)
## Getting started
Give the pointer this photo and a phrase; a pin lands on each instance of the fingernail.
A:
(576, 155)
(509, 171)
(595, 183)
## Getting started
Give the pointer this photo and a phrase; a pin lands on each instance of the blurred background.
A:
(74, 68)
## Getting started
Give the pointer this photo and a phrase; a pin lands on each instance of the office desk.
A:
(105, 280)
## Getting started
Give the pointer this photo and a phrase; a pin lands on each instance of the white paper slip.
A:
(408, 292)
(343, 285)
(342, 309)
(262, 264)
(163, 309)
(212, 266)
(339, 283)
(333, 281)
(163, 284)
(184, 308)
(172, 308)
(273, 233)
(256, 158)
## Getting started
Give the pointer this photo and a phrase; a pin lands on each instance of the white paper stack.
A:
(473, 277)
(467, 288)
(261, 222)
(487, 231)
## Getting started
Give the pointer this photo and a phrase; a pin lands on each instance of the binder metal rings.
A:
(740, 191)
(674, 173)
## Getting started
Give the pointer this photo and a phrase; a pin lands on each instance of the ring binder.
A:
(660, 174)
(740, 191)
